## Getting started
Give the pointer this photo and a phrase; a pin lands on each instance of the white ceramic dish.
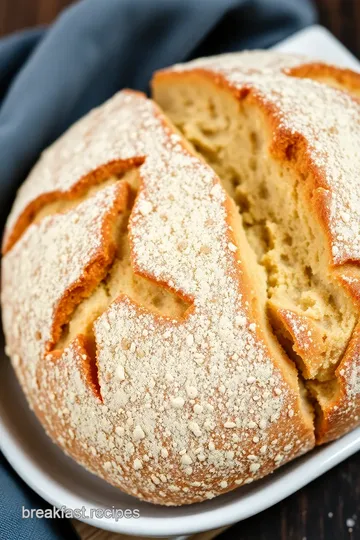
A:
(62, 482)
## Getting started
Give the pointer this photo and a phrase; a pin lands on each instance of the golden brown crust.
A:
(64, 377)
(343, 78)
(69, 178)
(169, 431)
(39, 300)
(27, 215)
(340, 413)
(326, 187)
(94, 271)
(349, 277)
(304, 336)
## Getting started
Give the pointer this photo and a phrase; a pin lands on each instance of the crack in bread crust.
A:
(108, 273)
(170, 421)
(50, 271)
(121, 279)
(256, 143)
(37, 195)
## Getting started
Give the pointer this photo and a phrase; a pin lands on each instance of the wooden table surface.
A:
(327, 508)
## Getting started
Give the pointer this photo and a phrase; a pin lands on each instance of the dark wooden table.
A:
(322, 510)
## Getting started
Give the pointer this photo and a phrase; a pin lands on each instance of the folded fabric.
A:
(51, 77)
(16, 500)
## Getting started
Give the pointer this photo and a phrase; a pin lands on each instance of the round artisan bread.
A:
(181, 311)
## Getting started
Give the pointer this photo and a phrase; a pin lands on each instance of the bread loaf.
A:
(180, 286)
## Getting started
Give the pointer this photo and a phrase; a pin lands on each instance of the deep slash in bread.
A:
(180, 286)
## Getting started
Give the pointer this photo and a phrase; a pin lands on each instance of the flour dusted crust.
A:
(171, 409)
(315, 121)
(56, 264)
(173, 424)
(312, 113)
